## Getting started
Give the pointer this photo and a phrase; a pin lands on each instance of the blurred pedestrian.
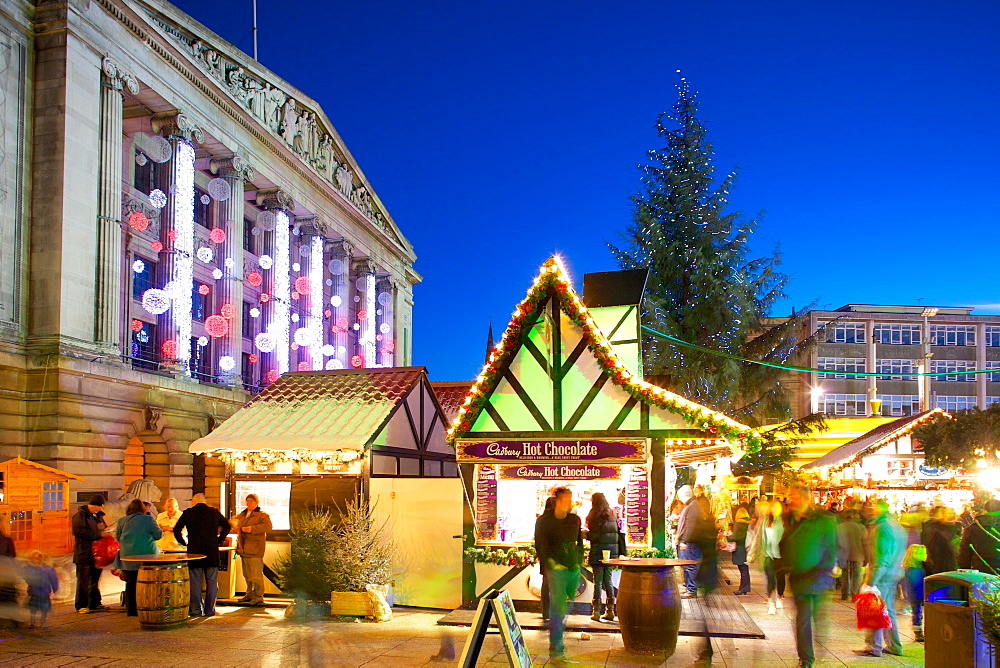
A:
(741, 524)
(886, 546)
(693, 533)
(940, 535)
(913, 583)
(559, 543)
(8, 578)
(852, 539)
(602, 532)
(550, 504)
(980, 548)
(42, 583)
(809, 554)
(774, 530)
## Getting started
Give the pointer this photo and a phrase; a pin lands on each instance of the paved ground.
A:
(263, 637)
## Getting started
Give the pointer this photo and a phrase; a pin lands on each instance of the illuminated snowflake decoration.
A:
(205, 254)
(295, 317)
(265, 262)
(138, 266)
(227, 363)
(265, 342)
(229, 263)
(158, 198)
(155, 301)
(296, 266)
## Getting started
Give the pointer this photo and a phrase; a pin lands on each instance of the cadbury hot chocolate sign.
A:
(625, 450)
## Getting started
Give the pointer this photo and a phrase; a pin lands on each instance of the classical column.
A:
(236, 171)
(277, 309)
(339, 267)
(311, 232)
(176, 265)
(364, 269)
(108, 298)
(385, 289)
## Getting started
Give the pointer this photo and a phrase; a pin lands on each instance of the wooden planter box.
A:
(352, 604)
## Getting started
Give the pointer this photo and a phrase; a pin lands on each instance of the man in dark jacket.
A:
(695, 541)
(809, 552)
(206, 530)
(559, 545)
(980, 548)
(88, 526)
(939, 536)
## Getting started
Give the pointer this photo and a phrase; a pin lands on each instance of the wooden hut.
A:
(35, 501)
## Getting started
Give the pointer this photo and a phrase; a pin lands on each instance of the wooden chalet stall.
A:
(561, 402)
(35, 500)
(321, 438)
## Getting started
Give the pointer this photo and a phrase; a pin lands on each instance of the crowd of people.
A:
(200, 529)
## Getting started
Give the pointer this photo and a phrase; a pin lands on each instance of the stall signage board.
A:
(559, 472)
(637, 505)
(624, 451)
(500, 605)
(486, 501)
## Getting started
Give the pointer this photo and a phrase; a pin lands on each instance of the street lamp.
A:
(816, 394)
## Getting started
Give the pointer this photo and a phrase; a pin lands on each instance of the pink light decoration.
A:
(357, 361)
(156, 246)
(203, 289)
(294, 346)
(264, 297)
(362, 315)
(136, 325)
(138, 221)
(342, 323)
(302, 285)
(169, 349)
(304, 366)
(216, 326)
(255, 279)
(295, 295)
(172, 235)
(327, 313)
(272, 375)
(217, 235)
(227, 311)
(253, 358)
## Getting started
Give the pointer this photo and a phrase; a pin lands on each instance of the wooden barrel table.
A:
(163, 590)
(649, 604)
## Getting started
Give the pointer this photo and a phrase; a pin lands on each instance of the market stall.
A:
(561, 403)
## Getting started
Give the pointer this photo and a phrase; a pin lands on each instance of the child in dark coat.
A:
(42, 583)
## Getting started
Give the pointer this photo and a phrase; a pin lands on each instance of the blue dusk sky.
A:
(497, 134)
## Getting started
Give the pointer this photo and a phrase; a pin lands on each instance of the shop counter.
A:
(649, 604)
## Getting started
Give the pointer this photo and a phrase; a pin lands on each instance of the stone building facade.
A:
(178, 227)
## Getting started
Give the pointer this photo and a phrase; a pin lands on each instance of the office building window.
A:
(992, 400)
(198, 303)
(899, 404)
(844, 332)
(143, 279)
(955, 403)
(846, 367)
(201, 361)
(893, 369)
(897, 334)
(842, 404)
(953, 335)
(202, 208)
(249, 238)
(52, 496)
(143, 349)
(993, 377)
(147, 175)
(947, 366)
(993, 336)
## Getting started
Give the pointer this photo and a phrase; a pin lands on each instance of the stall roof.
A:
(838, 432)
(315, 410)
(876, 438)
(41, 467)
(451, 395)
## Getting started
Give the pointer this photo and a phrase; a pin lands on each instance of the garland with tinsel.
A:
(553, 277)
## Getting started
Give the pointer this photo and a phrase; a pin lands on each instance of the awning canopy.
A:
(315, 410)
(873, 439)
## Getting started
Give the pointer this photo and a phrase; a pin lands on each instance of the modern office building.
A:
(894, 341)
(178, 227)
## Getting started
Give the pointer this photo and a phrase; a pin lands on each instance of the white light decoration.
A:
(155, 301)
(384, 328)
(341, 350)
(205, 254)
(229, 263)
(216, 273)
(265, 262)
(255, 312)
(296, 266)
(303, 336)
(206, 200)
(158, 148)
(158, 198)
(173, 289)
(184, 246)
(266, 220)
(336, 266)
(329, 282)
(219, 189)
(329, 350)
(335, 301)
(316, 300)
(333, 365)
(255, 230)
(368, 326)
(138, 266)
(202, 341)
(227, 363)
(304, 251)
(141, 159)
(385, 298)
(295, 317)
(356, 327)
(282, 291)
(265, 342)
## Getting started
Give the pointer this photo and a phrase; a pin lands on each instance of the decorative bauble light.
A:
(356, 327)
(295, 346)
(357, 299)
(205, 254)
(216, 326)
(217, 235)
(302, 285)
(138, 266)
(341, 350)
(356, 361)
(138, 221)
(305, 366)
(265, 262)
(202, 341)
(155, 301)
(265, 342)
(329, 350)
(141, 159)
(266, 220)
(295, 295)
(327, 313)
(252, 358)
(229, 263)
(385, 298)
(158, 198)
(303, 336)
(304, 251)
(219, 189)
(336, 266)
(296, 266)
(255, 279)
(362, 315)
(173, 289)
(217, 273)
(205, 199)
(255, 231)
(203, 289)
(384, 328)
(227, 363)
(227, 311)
(335, 301)
(255, 312)
(362, 284)
(329, 282)
(158, 148)
(156, 245)
(136, 325)
(272, 375)
(342, 323)
(169, 349)
(172, 235)
(265, 298)
(333, 365)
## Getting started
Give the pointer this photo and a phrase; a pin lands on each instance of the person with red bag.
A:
(88, 527)
(887, 544)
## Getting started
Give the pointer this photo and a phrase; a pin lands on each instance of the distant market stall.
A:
(561, 402)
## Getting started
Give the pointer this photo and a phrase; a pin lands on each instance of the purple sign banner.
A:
(559, 472)
(624, 451)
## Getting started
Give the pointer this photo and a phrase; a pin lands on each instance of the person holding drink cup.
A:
(602, 532)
